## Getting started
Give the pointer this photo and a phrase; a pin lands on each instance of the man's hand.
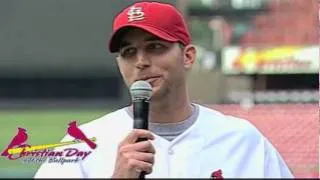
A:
(134, 157)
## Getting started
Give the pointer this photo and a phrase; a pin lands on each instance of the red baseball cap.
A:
(160, 19)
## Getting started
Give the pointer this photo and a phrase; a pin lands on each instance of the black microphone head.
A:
(140, 90)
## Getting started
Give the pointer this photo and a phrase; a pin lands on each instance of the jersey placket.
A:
(174, 156)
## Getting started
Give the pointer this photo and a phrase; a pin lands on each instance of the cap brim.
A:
(114, 41)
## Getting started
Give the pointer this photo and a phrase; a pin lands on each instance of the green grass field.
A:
(43, 127)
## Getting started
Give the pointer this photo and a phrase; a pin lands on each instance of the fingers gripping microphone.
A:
(141, 92)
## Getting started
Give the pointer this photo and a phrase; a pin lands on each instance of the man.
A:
(184, 139)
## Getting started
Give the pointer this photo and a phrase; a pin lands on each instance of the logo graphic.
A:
(217, 174)
(18, 149)
(75, 132)
(135, 13)
(18, 140)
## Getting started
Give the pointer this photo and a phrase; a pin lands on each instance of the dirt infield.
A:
(292, 128)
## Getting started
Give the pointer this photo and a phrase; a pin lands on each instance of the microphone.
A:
(141, 92)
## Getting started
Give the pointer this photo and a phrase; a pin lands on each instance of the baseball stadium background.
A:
(258, 59)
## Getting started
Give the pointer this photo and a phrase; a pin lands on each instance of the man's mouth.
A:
(150, 79)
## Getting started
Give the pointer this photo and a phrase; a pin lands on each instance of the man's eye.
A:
(127, 52)
(155, 46)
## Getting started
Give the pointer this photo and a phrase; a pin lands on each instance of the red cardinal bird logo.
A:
(17, 140)
(75, 132)
(217, 174)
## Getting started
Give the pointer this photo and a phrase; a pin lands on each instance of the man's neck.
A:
(170, 109)
(170, 113)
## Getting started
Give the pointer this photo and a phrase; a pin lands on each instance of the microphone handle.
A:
(142, 175)
(140, 116)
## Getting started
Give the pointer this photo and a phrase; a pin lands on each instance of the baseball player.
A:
(185, 139)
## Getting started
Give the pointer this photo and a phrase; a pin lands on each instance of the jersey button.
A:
(170, 151)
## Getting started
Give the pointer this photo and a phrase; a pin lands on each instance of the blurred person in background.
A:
(185, 139)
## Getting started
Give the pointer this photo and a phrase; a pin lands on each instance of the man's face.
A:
(143, 56)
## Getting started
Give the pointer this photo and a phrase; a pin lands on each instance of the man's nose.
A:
(143, 60)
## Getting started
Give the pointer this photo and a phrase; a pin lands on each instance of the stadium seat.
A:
(288, 22)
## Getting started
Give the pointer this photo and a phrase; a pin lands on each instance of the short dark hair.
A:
(182, 46)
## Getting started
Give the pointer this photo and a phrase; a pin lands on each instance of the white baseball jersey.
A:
(214, 142)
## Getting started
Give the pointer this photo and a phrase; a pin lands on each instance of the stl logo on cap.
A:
(135, 13)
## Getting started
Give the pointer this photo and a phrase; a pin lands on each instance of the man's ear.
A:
(190, 54)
